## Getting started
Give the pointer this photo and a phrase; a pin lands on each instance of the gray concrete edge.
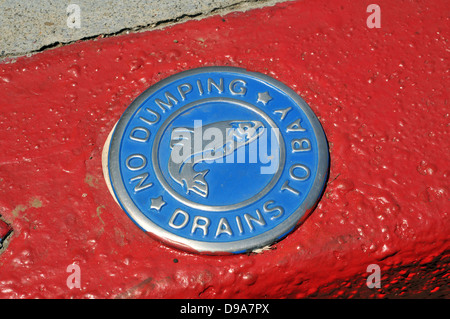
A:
(40, 44)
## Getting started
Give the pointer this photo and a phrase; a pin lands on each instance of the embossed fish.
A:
(235, 134)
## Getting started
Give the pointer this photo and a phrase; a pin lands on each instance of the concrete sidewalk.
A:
(29, 27)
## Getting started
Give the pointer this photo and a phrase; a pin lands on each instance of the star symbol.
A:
(157, 203)
(264, 97)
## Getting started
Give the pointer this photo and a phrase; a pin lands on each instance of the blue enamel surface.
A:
(230, 183)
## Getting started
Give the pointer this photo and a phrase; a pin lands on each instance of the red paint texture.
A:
(380, 95)
(5, 231)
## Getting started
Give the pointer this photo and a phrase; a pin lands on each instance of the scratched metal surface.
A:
(380, 95)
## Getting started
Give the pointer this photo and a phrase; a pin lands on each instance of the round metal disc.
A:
(218, 160)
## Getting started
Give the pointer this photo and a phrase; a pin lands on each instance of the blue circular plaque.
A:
(218, 160)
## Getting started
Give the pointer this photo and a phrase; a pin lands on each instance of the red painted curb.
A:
(380, 95)
(5, 230)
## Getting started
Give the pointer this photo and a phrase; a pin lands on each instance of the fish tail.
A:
(198, 184)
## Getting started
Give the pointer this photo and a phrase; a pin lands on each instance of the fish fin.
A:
(202, 191)
(185, 186)
(180, 135)
(202, 173)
